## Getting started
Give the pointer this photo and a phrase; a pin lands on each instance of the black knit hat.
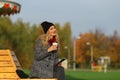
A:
(46, 25)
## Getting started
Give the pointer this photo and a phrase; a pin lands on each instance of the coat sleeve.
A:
(40, 51)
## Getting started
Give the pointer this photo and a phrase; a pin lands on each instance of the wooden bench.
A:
(8, 62)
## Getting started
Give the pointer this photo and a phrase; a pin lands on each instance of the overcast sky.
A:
(83, 15)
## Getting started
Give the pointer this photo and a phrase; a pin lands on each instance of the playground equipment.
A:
(97, 68)
(8, 66)
(102, 64)
(104, 61)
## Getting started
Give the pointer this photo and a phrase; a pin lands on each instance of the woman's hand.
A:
(52, 48)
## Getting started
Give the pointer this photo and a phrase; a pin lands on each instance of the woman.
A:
(46, 56)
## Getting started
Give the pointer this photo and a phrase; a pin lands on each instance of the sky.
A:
(83, 15)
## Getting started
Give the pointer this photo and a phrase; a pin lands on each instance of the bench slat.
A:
(8, 75)
(7, 69)
(4, 58)
(38, 79)
(5, 64)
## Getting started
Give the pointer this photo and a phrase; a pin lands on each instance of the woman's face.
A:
(52, 31)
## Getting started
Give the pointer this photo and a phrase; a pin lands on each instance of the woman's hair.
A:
(45, 38)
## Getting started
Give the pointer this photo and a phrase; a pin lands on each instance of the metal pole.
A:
(69, 58)
(91, 53)
(74, 57)
(91, 47)
(68, 55)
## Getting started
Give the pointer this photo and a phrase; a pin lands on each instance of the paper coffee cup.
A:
(55, 44)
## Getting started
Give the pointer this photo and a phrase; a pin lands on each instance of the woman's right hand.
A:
(52, 48)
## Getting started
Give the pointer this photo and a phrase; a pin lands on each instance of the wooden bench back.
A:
(7, 65)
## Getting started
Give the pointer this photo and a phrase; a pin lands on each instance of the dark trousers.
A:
(59, 73)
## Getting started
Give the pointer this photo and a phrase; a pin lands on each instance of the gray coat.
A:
(44, 62)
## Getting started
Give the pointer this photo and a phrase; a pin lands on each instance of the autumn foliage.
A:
(102, 46)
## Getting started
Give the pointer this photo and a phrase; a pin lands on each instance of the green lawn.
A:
(89, 75)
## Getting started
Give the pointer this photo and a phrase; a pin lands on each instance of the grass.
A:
(89, 75)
